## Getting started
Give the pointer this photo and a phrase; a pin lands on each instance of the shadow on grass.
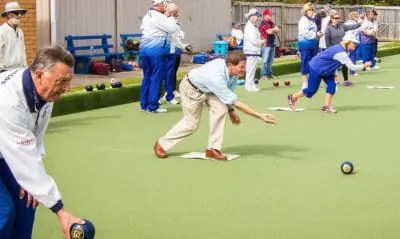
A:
(360, 108)
(267, 150)
(63, 125)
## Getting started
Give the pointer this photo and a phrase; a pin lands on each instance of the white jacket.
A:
(238, 34)
(156, 29)
(22, 129)
(324, 24)
(307, 29)
(12, 48)
(252, 39)
(353, 33)
(176, 39)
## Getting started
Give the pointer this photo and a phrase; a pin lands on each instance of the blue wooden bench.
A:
(82, 61)
(129, 53)
(220, 37)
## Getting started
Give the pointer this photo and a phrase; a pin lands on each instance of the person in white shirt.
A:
(354, 18)
(252, 48)
(26, 102)
(307, 40)
(368, 34)
(12, 43)
(237, 33)
(324, 24)
(154, 49)
(212, 84)
(173, 59)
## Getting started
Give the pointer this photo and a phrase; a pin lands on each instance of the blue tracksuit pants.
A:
(170, 80)
(368, 53)
(154, 73)
(314, 81)
(16, 220)
(305, 56)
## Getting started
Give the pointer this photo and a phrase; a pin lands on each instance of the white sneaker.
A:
(375, 67)
(177, 95)
(159, 110)
(173, 102)
(355, 74)
(251, 89)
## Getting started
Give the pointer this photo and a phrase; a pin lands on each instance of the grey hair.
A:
(171, 7)
(48, 57)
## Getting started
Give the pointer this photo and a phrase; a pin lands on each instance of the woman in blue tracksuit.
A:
(324, 66)
(307, 39)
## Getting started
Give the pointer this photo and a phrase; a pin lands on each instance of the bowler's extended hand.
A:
(268, 118)
(66, 219)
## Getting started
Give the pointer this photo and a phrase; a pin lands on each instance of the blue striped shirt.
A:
(213, 78)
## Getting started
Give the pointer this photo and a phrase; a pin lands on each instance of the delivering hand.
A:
(267, 118)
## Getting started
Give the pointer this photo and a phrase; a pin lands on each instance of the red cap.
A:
(267, 12)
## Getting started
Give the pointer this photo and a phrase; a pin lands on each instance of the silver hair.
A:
(172, 6)
(48, 57)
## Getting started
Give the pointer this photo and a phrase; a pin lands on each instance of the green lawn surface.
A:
(287, 182)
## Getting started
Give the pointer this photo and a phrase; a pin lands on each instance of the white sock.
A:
(304, 85)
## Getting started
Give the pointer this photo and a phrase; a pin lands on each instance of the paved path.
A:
(186, 66)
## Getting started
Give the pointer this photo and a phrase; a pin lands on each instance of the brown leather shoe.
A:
(215, 154)
(159, 151)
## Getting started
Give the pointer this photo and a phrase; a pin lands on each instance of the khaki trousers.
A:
(192, 102)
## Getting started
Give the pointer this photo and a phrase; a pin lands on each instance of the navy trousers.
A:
(368, 53)
(16, 220)
(306, 55)
(154, 73)
(170, 80)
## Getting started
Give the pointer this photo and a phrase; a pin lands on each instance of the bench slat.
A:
(88, 47)
(125, 36)
(87, 37)
(99, 54)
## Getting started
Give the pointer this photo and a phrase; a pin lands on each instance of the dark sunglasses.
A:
(336, 18)
(18, 13)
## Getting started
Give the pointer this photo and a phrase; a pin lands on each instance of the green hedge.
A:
(82, 101)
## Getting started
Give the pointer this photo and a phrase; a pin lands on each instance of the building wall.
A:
(200, 19)
(28, 25)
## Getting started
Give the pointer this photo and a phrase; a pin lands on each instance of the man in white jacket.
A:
(26, 102)
(12, 43)
(154, 49)
(252, 48)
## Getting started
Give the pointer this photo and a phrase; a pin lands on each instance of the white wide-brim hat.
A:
(13, 7)
(351, 38)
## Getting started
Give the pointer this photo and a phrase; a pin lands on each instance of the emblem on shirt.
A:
(25, 142)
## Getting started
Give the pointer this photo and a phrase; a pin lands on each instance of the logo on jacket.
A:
(8, 77)
(25, 142)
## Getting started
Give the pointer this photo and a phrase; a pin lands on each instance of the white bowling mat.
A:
(379, 87)
(286, 109)
(202, 155)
